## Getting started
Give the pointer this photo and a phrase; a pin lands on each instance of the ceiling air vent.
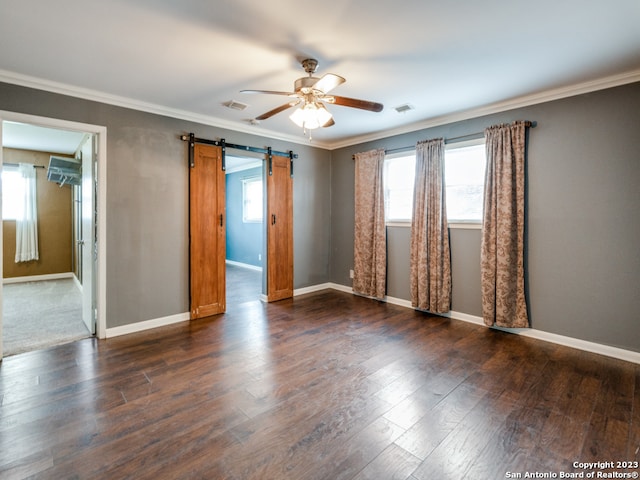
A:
(403, 108)
(233, 105)
(64, 170)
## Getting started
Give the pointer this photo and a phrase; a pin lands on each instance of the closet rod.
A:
(17, 165)
(469, 136)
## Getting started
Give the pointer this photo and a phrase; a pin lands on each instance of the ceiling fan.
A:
(309, 93)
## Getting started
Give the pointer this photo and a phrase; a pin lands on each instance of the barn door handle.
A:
(220, 219)
(273, 219)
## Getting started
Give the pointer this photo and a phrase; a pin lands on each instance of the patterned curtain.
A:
(370, 247)
(430, 252)
(502, 255)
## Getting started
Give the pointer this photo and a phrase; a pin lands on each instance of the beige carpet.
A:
(37, 315)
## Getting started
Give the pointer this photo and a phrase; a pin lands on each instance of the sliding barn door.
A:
(207, 231)
(279, 229)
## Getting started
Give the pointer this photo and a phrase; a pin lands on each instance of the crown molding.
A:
(511, 104)
(125, 102)
(498, 107)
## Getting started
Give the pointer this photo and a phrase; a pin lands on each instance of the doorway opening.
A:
(208, 217)
(245, 233)
(53, 295)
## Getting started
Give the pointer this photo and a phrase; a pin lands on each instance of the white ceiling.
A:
(187, 58)
(43, 139)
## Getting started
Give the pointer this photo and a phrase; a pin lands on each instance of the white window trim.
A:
(451, 225)
(465, 225)
(454, 224)
(399, 222)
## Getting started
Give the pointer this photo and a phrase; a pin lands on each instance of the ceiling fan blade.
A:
(270, 92)
(279, 109)
(355, 103)
(328, 82)
(330, 123)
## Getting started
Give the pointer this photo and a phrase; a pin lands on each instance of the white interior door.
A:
(88, 229)
(1, 246)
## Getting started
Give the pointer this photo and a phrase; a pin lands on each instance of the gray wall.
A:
(147, 202)
(583, 209)
(583, 224)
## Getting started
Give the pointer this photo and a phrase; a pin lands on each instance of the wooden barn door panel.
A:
(207, 225)
(279, 230)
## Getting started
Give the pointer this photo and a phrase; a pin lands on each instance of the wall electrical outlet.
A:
(350, 273)
(259, 257)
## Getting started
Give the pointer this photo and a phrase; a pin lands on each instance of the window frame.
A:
(245, 181)
(458, 223)
(12, 170)
(396, 222)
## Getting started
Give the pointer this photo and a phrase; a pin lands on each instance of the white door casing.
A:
(98, 252)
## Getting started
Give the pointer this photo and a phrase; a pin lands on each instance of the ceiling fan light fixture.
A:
(311, 116)
(311, 93)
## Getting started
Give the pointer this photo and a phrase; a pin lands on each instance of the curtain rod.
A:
(470, 136)
(17, 165)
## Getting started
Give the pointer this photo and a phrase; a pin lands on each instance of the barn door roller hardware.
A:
(192, 139)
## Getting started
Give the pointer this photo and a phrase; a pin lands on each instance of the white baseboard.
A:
(606, 350)
(465, 317)
(38, 278)
(147, 325)
(398, 301)
(312, 288)
(393, 300)
(341, 288)
(77, 282)
(244, 265)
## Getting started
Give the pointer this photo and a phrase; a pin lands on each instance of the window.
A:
(464, 177)
(252, 200)
(12, 193)
(399, 173)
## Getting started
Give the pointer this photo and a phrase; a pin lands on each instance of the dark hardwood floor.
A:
(326, 386)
